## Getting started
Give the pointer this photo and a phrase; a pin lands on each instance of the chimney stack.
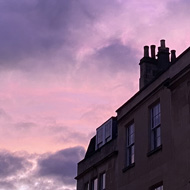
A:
(157, 63)
(153, 47)
(146, 51)
(163, 56)
(173, 56)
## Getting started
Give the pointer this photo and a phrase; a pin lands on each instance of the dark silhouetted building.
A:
(147, 146)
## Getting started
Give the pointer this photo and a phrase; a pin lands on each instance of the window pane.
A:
(131, 134)
(102, 181)
(158, 137)
(108, 127)
(159, 188)
(130, 153)
(100, 135)
(155, 126)
(94, 184)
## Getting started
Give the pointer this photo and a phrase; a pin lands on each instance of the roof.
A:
(143, 89)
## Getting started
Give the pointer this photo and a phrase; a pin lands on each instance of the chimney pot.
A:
(173, 55)
(153, 51)
(146, 51)
(162, 44)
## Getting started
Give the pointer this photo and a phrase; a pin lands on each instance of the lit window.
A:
(155, 115)
(95, 184)
(102, 181)
(130, 144)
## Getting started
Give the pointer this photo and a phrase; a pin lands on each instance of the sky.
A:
(65, 67)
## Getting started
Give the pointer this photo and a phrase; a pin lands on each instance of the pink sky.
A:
(65, 67)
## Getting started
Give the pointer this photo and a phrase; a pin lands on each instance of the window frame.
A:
(93, 184)
(157, 186)
(130, 144)
(102, 181)
(155, 126)
(87, 186)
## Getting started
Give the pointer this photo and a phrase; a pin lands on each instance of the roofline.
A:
(114, 153)
(112, 117)
(136, 94)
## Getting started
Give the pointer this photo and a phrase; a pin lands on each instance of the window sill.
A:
(128, 167)
(157, 149)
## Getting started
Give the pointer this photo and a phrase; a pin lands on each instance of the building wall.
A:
(171, 164)
(104, 160)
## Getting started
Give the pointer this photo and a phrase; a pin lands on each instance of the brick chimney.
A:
(163, 56)
(147, 66)
(151, 67)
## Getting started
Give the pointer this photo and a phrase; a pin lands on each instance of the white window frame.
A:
(155, 126)
(130, 144)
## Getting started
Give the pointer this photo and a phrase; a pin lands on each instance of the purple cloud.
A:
(61, 165)
(11, 164)
(40, 171)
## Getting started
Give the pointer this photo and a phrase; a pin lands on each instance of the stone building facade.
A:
(149, 148)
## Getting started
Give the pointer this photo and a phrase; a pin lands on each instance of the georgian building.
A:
(147, 146)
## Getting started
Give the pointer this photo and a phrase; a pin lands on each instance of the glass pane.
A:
(100, 135)
(131, 134)
(108, 129)
(133, 154)
(104, 181)
(132, 138)
(158, 132)
(155, 116)
(95, 184)
(159, 188)
(158, 141)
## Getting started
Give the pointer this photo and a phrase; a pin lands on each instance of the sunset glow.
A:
(65, 67)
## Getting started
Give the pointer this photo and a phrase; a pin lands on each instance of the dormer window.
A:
(104, 133)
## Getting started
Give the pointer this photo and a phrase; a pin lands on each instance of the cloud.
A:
(49, 35)
(11, 164)
(40, 171)
(4, 185)
(37, 36)
(4, 115)
(116, 57)
(39, 29)
(61, 165)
